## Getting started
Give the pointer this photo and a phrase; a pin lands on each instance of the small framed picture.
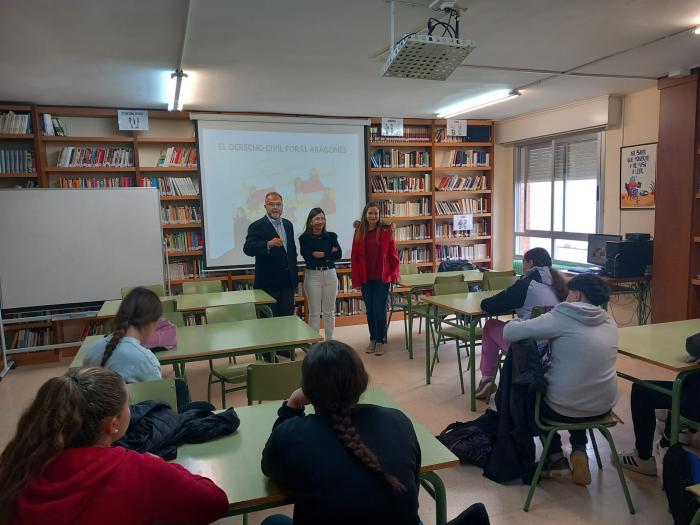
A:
(638, 176)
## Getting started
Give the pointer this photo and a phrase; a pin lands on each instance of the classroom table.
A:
(416, 282)
(663, 345)
(233, 462)
(467, 306)
(212, 341)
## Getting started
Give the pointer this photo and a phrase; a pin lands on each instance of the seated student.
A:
(540, 285)
(348, 463)
(60, 467)
(582, 383)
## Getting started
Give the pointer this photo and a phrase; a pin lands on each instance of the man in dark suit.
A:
(271, 241)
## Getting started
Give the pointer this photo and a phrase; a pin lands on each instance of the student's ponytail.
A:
(139, 308)
(540, 257)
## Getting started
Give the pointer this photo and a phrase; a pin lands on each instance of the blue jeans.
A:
(277, 519)
(375, 294)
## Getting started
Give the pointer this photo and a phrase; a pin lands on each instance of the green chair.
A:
(234, 373)
(458, 334)
(177, 318)
(169, 306)
(158, 289)
(496, 281)
(189, 288)
(272, 381)
(160, 389)
(602, 424)
(397, 299)
(420, 310)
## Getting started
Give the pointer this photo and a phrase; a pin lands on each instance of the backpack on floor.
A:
(471, 441)
(678, 474)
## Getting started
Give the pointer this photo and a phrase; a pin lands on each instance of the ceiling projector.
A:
(426, 57)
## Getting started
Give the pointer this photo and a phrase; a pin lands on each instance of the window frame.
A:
(520, 177)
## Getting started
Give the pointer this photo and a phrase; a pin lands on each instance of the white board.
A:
(72, 246)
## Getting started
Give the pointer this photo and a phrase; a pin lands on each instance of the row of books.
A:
(181, 214)
(177, 156)
(243, 285)
(170, 185)
(456, 251)
(455, 183)
(412, 232)
(461, 206)
(382, 184)
(184, 241)
(12, 123)
(344, 283)
(31, 337)
(74, 157)
(405, 209)
(414, 254)
(442, 136)
(17, 161)
(352, 306)
(52, 126)
(468, 158)
(94, 328)
(95, 182)
(393, 158)
(410, 134)
(444, 230)
(185, 269)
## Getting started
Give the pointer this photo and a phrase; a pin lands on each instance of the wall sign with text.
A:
(638, 176)
(392, 127)
(132, 119)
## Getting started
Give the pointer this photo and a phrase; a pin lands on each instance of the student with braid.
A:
(60, 467)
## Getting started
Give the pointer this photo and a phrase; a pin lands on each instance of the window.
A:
(557, 188)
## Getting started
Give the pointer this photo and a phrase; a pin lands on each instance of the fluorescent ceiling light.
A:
(176, 90)
(493, 97)
(696, 31)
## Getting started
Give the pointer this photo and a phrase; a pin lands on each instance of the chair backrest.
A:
(450, 288)
(408, 269)
(202, 287)
(169, 305)
(272, 381)
(499, 282)
(231, 312)
(157, 288)
(161, 390)
(449, 278)
(177, 318)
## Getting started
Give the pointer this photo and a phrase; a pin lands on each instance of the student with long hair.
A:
(61, 469)
(540, 285)
(375, 265)
(320, 250)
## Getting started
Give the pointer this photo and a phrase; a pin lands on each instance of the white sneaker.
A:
(371, 347)
(379, 349)
(631, 461)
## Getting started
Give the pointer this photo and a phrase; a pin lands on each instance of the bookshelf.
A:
(18, 163)
(422, 180)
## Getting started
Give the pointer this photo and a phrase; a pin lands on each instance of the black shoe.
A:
(474, 515)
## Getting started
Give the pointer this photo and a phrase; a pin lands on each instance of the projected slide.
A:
(310, 165)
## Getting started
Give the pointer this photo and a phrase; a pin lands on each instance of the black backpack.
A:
(677, 476)
(472, 441)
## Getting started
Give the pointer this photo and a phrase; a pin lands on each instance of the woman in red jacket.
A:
(375, 265)
(60, 467)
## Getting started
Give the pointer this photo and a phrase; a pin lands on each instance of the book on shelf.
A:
(456, 183)
(413, 254)
(461, 206)
(184, 241)
(412, 183)
(349, 306)
(456, 251)
(417, 208)
(12, 123)
(468, 158)
(189, 269)
(181, 214)
(475, 133)
(95, 182)
(412, 232)
(445, 230)
(77, 157)
(345, 283)
(94, 328)
(394, 158)
(52, 126)
(17, 160)
(410, 134)
(177, 156)
(31, 337)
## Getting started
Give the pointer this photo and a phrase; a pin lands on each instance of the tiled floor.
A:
(435, 406)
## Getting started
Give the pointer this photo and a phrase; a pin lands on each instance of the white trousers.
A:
(321, 289)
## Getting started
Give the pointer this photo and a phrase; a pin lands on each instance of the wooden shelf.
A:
(389, 194)
(696, 239)
(167, 168)
(125, 169)
(194, 279)
(194, 253)
(179, 197)
(349, 320)
(459, 240)
(696, 282)
(414, 241)
(462, 145)
(348, 295)
(117, 138)
(182, 226)
(449, 217)
(442, 169)
(406, 219)
(481, 260)
(422, 264)
(165, 140)
(27, 326)
(460, 193)
(16, 136)
(398, 170)
(398, 144)
(18, 175)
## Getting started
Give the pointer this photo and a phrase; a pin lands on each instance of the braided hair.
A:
(66, 413)
(139, 308)
(333, 378)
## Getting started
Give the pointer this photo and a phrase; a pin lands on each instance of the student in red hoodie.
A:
(60, 467)
(375, 265)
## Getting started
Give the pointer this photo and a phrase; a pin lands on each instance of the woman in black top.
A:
(320, 250)
(348, 463)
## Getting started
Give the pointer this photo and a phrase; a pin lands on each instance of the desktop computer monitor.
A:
(596, 248)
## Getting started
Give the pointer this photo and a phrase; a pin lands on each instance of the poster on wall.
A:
(638, 176)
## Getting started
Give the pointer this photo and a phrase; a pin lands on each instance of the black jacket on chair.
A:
(275, 269)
